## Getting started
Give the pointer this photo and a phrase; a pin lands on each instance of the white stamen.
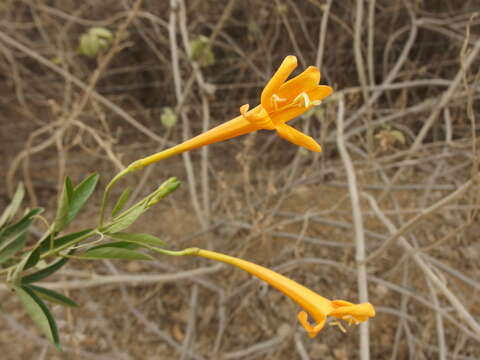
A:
(350, 319)
(316, 102)
(337, 323)
(302, 100)
(276, 99)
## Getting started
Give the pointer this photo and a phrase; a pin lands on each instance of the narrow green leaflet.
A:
(63, 206)
(73, 199)
(31, 259)
(107, 252)
(11, 232)
(16, 245)
(81, 194)
(52, 296)
(139, 238)
(41, 274)
(121, 201)
(17, 273)
(117, 244)
(123, 222)
(69, 188)
(39, 313)
(34, 256)
(14, 205)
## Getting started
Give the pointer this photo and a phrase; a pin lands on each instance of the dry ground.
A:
(406, 66)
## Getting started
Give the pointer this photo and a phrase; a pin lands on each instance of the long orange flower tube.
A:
(281, 101)
(317, 306)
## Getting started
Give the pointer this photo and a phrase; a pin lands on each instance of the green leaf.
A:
(122, 222)
(16, 245)
(117, 244)
(168, 117)
(72, 200)
(11, 232)
(63, 206)
(89, 45)
(16, 278)
(69, 188)
(108, 252)
(41, 274)
(34, 256)
(101, 32)
(140, 238)
(52, 296)
(32, 259)
(81, 194)
(201, 51)
(95, 40)
(14, 205)
(39, 313)
(121, 201)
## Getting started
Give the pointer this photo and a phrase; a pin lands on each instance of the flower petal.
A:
(345, 309)
(258, 117)
(287, 115)
(304, 82)
(311, 330)
(298, 138)
(281, 75)
(319, 92)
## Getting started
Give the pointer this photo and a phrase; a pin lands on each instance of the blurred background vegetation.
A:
(93, 85)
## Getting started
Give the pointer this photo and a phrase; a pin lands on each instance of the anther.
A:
(276, 99)
(337, 323)
(350, 319)
(302, 100)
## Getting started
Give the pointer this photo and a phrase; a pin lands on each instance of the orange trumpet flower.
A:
(317, 306)
(281, 101)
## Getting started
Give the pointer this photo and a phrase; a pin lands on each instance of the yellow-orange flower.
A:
(281, 101)
(317, 306)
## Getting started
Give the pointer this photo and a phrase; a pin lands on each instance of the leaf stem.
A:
(184, 252)
(57, 250)
(106, 193)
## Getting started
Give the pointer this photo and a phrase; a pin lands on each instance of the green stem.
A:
(56, 251)
(74, 257)
(184, 252)
(141, 202)
(167, 187)
(106, 193)
(52, 251)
